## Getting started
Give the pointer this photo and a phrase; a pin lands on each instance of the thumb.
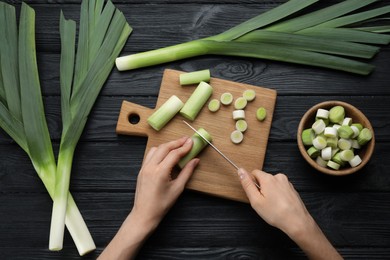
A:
(247, 184)
(186, 173)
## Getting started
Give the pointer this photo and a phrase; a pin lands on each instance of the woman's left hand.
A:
(156, 190)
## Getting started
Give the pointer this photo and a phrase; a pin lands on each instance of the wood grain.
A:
(213, 175)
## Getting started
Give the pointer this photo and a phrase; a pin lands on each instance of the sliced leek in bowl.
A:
(347, 156)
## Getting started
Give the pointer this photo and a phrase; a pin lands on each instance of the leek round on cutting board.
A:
(165, 113)
(197, 146)
(196, 101)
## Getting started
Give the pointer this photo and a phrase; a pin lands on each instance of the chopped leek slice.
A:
(321, 162)
(319, 143)
(344, 144)
(326, 153)
(240, 103)
(249, 94)
(336, 114)
(318, 126)
(214, 105)
(330, 132)
(345, 132)
(333, 165)
(238, 114)
(197, 146)
(194, 77)
(196, 101)
(165, 113)
(307, 136)
(236, 137)
(364, 136)
(313, 152)
(322, 114)
(261, 114)
(226, 98)
(241, 125)
(346, 155)
(332, 142)
(355, 161)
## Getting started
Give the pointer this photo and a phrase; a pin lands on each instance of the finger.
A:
(247, 184)
(258, 174)
(186, 173)
(175, 155)
(149, 155)
(163, 150)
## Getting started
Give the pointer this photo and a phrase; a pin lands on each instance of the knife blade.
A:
(217, 150)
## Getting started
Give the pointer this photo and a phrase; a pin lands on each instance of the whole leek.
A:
(102, 35)
(322, 38)
(22, 113)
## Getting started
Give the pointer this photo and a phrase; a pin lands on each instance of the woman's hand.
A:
(156, 190)
(280, 205)
(155, 194)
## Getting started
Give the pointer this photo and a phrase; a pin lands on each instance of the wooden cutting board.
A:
(214, 175)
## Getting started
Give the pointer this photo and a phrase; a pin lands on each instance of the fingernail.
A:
(188, 141)
(196, 162)
(242, 173)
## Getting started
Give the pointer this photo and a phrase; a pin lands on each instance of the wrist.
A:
(142, 223)
(132, 234)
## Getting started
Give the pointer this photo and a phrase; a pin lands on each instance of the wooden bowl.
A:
(350, 111)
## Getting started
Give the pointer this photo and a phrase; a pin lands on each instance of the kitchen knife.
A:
(217, 150)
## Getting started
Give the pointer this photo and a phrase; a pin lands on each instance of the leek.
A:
(22, 113)
(165, 113)
(316, 39)
(198, 144)
(102, 35)
(196, 101)
(194, 77)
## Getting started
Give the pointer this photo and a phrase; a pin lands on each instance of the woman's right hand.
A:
(280, 205)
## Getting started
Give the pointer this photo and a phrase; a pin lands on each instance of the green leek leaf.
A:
(346, 34)
(287, 54)
(34, 121)
(264, 19)
(355, 18)
(9, 57)
(68, 38)
(320, 16)
(375, 29)
(307, 43)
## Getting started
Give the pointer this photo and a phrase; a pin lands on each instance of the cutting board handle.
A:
(133, 120)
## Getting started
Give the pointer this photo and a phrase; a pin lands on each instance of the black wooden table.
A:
(353, 211)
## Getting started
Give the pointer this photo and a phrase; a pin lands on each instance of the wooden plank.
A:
(227, 252)
(345, 217)
(113, 167)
